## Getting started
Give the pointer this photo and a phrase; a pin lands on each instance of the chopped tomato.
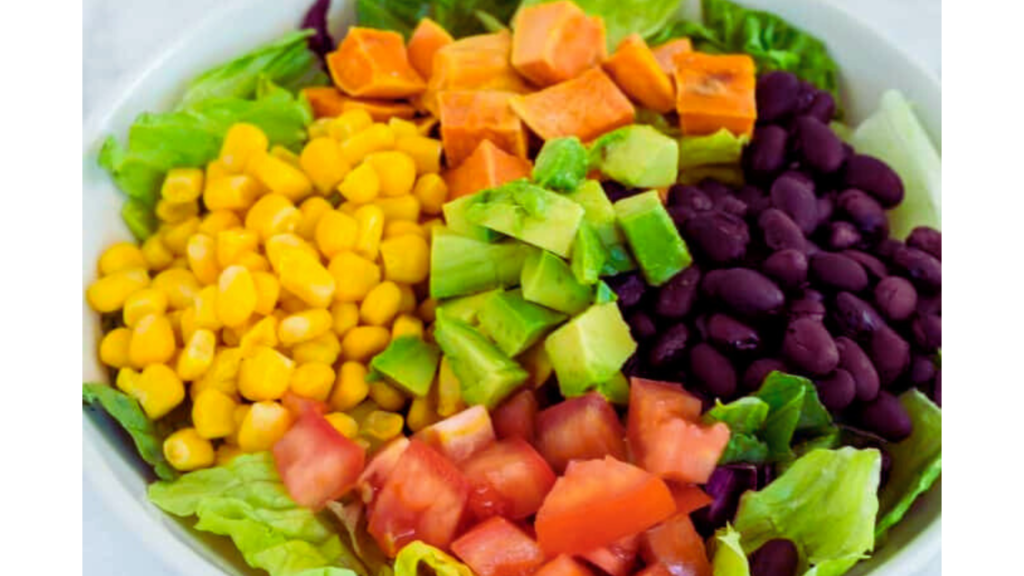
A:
(372, 480)
(460, 436)
(651, 403)
(423, 499)
(684, 451)
(498, 547)
(617, 558)
(508, 479)
(515, 418)
(688, 497)
(316, 463)
(598, 502)
(582, 428)
(676, 545)
(563, 565)
(655, 570)
(298, 405)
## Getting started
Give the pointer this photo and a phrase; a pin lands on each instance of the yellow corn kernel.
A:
(430, 225)
(197, 356)
(216, 169)
(304, 326)
(407, 304)
(427, 310)
(120, 257)
(280, 177)
(237, 192)
(363, 342)
(360, 412)
(432, 192)
(311, 211)
(422, 413)
(264, 375)
(400, 208)
(176, 236)
(114, 347)
(406, 325)
(183, 322)
(186, 450)
(343, 423)
(205, 309)
(236, 296)
(282, 153)
(336, 232)
(354, 275)
(349, 123)
(371, 229)
(324, 349)
(182, 185)
(278, 244)
(396, 228)
(127, 380)
(179, 263)
(180, 286)
(402, 128)
(239, 416)
(241, 143)
(226, 453)
(156, 254)
(319, 128)
(264, 424)
(361, 185)
(268, 290)
(222, 373)
(218, 221)
(158, 390)
(381, 426)
(213, 414)
(231, 244)
(288, 303)
(381, 304)
(254, 262)
(449, 393)
(406, 259)
(312, 380)
(346, 317)
(425, 152)
(271, 215)
(262, 333)
(322, 161)
(304, 276)
(351, 387)
(396, 171)
(109, 293)
(176, 212)
(152, 342)
(202, 258)
(348, 207)
(142, 303)
(375, 138)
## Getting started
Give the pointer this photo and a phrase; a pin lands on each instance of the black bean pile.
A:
(795, 271)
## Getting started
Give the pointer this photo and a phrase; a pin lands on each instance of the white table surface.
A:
(120, 36)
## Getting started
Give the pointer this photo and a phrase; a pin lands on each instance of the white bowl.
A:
(869, 65)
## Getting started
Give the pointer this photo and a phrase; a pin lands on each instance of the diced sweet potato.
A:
(426, 40)
(665, 54)
(470, 117)
(381, 110)
(714, 92)
(326, 101)
(586, 106)
(474, 63)
(374, 64)
(556, 41)
(488, 166)
(636, 71)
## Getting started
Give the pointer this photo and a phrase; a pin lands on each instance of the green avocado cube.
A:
(528, 213)
(513, 323)
(588, 255)
(637, 155)
(652, 236)
(604, 293)
(486, 375)
(561, 164)
(597, 211)
(548, 281)
(615, 389)
(461, 265)
(455, 219)
(408, 363)
(590, 348)
(465, 308)
(619, 260)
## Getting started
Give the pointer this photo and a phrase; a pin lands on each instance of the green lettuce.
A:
(728, 558)
(722, 147)
(825, 503)
(369, 559)
(126, 411)
(459, 17)
(624, 17)
(916, 461)
(745, 418)
(408, 561)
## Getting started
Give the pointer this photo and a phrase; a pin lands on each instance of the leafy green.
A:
(745, 416)
(825, 503)
(408, 561)
(744, 448)
(126, 411)
(459, 17)
(369, 559)
(916, 461)
(728, 557)
(722, 147)
(561, 164)
(624, 17)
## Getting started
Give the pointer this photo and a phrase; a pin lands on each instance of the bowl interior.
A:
(868, 63)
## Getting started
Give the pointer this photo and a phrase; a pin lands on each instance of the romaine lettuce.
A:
(126, 411)
(624, 17)
(459, 17)
(728, 558)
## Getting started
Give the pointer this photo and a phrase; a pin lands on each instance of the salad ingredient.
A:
(652, 237)
(515, 324)
(460, 436)
(561, 164)
(563, 565)
(487, 167)
(719, 148)
(689, 498)
(885, 416)
(486, 375)
(481, 62)
(665, 54)
(427, 38)
(583, 428)
(316, 462)
(728, 558)
(460, 265)
(598, 211)
(408, 561)
(585, 106)
(409, 363)
(498, 547)
(622, 18)
(459, 19)
(714, 92)
(127, 412)
(374, 63)
(469, 117)
(684, 451)
(677, 546)
(590, 348)
(262, 425)
(321, 41)
(528, 213)
(635, 69)
(651, 404)
(588, 255)
(508, 479)
(636, 155)
(598, 502)
(549, 281)
(617, 558)
(556, 41)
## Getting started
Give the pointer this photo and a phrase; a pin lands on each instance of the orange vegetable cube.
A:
(374, 63)
(481, 62)
(635, 69)
(326, 101)
(468, 118)
(556, 41)
(488, 166)
(380, 110)
(665, 53)
(586, 106)
(715, 92)
(426, 40)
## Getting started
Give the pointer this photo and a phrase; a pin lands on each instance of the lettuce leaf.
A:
(916, 461)
(728, 558)
(459, 17)
(408, 561)
(126, 411)
(722, 147)
(744, 416)
(825, 503)
(624, 17)
(370, 560)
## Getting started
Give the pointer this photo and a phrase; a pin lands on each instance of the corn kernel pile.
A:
(256, 289)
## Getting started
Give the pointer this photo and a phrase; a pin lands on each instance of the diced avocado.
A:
(465, 308)
(455, 218)
(615, 389)
(722, 147)
(653, 238)
(461, 265)
(590, 348)
(637, 155)
(604, 293)
(588, 255)
(548, 281)
(515, 324)
(619, 260)
(486, 375)
(561, 164)
(537, 363)
(529, 213)
(597, 211)
(409, 363)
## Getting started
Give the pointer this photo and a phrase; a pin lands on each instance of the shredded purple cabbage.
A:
(316, 18)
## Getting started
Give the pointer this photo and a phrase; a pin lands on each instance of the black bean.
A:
(641, 325)
(615, 191)
(731, 335)
(886, 467)
(680, 214)
(787, 267)
(937, 389)
(805, 96)
(732, 205)
(854, 317)
(808, 346)
(766, 153)
(929, 304)
(776, 95)
(864, 212)
(630, 288)
(779, 230)
(749, 194)
(896, 298)
(713, 371)
(676, 297)
(746, 292)
(927, 332)
(777, 557)
(873, 266)
(690, 197)
(887, 248)
(819, 147)
(874, 177)
(843, 235)
(717, 237)
(837, 390)
(853, 359)
(758, 370)
(823, 107)
(669, 346)
(921, 267)
(890, 354)
(927, 239)
(714, 189)
(791, 194)
(810, 294)
(886, 417)
(838, 272)
(921, 372)
(806, 308)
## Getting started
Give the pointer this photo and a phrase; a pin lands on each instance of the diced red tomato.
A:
(498, 547)
(684, 451)
(651, 403)
(515, 418)
(563, 565)
(298, 405)
(460, 436)
(655, 570)
(423, 499)
(316, 463)
(617, 558)
(508, 479)
(676, 545)
(583, 428)
(688, 497)
(372, 480)
(598, 502)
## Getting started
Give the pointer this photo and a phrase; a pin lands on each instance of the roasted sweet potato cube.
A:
(426, 40)
(665, 53)
(556, 41)
(381, 110)
(487, 167)
(374, 64)
(715, 91)
(586, 106)
(326, 101)
(636, 71)
(470, 117)
(474, 63)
